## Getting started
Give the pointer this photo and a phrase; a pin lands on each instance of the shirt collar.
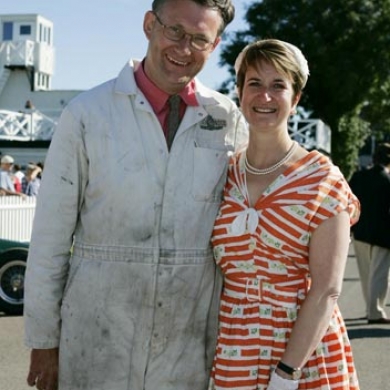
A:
(158, 98)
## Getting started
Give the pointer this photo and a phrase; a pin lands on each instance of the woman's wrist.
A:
(288, 372)
(283, 374)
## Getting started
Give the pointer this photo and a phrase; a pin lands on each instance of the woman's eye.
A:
(279, 86)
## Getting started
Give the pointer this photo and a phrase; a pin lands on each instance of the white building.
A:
(27, 60)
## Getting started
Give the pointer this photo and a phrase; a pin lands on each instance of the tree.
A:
(377, 109)
(347, 46)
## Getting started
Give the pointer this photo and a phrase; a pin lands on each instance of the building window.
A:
(25, 29)
(7, 31)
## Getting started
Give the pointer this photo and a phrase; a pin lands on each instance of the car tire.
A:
(12, 270)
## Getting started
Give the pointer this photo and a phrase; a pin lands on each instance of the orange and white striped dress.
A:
(263, 252)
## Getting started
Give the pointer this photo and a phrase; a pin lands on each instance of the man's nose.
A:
(185, 43)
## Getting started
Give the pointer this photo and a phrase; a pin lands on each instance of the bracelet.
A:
(295, 373)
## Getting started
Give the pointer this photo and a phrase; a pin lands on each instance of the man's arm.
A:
(4, 191)
(43, 372)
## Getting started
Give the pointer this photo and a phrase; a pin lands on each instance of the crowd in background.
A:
(17, 180)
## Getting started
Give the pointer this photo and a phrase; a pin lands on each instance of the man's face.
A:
(173, 64)
(6, 167)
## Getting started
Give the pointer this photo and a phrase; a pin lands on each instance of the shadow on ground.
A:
(367, 332)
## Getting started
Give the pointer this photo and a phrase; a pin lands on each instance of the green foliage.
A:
(347, 46)
(377, 109)
(351, 133)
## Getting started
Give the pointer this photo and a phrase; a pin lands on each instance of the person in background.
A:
(7, 183)
(18, 172)
(16, 176)
(31, 180)
(372, 233)
(29, 105)
(133, 186)
(17, 183)
(40, 164)
(281, 240)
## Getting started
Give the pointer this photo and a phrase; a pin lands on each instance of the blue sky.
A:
(94, 39)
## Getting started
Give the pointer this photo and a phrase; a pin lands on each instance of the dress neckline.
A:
(295, 166)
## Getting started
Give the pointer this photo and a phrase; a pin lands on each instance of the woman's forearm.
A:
(312, 322)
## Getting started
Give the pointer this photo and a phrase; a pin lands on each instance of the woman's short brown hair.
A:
(287, 59)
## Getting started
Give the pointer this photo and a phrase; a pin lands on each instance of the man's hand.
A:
(43, 372)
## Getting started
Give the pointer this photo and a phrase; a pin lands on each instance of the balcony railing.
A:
(17, 53)
(311, 134)
(33, 126)
(25, 126)
(27, 53)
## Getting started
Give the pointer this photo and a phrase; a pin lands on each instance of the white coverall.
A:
(135, 306)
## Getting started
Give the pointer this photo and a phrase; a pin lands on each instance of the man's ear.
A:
(216, 43)
(149, 21)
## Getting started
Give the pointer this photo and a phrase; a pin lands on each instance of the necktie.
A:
(173, 118)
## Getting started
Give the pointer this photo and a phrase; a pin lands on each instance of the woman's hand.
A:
(278, 383)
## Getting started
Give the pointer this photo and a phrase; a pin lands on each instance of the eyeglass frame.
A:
(165, 28)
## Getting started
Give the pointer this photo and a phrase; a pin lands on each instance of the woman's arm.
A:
(328, 254)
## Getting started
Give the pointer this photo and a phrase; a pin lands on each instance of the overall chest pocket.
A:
(210, 166)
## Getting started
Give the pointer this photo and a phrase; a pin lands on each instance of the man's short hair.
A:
(224, 7)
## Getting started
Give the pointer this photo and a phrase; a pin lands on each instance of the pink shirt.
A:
(158, 99)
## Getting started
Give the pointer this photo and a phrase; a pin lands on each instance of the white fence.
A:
(16, 217)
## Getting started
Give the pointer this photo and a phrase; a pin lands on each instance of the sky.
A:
(93, 39)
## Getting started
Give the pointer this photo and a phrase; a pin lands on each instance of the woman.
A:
(281, 240)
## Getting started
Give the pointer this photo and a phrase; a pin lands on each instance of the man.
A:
(31, 181)
(134, 306)
(7, 186)
(372, 233)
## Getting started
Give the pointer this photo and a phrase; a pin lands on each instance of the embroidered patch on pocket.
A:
(210, 123)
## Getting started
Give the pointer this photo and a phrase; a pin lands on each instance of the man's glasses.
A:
(175, 33)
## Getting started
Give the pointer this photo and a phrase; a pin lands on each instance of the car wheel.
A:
(12, 270)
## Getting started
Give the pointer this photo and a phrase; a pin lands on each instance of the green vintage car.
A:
(13, 257)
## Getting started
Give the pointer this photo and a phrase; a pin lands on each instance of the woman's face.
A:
(267, 98)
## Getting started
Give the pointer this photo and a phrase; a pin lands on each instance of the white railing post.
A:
(16, 217)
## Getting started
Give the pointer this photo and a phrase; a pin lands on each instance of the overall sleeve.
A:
(58, 204)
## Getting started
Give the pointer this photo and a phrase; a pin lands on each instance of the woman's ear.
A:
(238, 93)
(295, 102)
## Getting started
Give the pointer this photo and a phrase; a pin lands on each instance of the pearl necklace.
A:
(265, 171)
